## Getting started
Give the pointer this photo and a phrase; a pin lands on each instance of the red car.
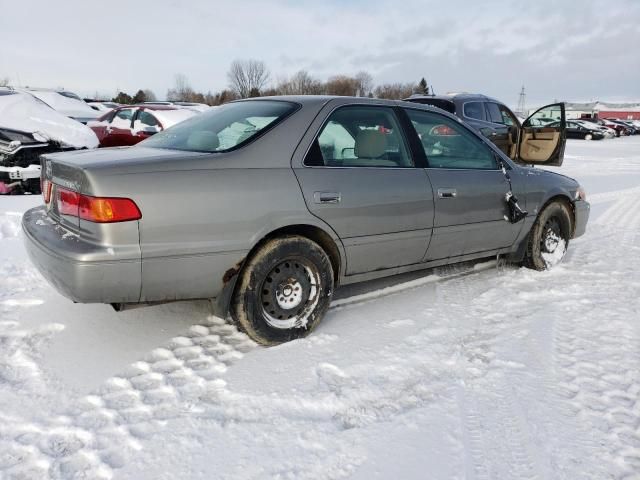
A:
(130, 124)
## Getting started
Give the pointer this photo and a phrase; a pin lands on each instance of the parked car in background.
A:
(580, 130)
(129, 124)
(197, 107)
(620, 130)
(103, 106)
(268, 204)
(29, 128)
(65, 102)
(633, 128)
(496, 121)
(608, 132)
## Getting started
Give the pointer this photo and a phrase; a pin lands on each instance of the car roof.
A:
(453, 96)
(147, 107)
(318, 99)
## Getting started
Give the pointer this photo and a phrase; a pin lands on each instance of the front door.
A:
(359, 177)
(541, 143)
(469, 188)
(119, 130)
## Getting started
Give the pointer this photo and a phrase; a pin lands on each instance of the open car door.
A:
(540, 143)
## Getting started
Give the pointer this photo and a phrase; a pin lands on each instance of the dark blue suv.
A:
(498, 123)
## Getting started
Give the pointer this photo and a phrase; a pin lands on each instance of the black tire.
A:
(550, 232)
(283, 291)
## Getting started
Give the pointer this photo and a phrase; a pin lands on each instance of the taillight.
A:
(68, 202)
(96, 209)
(108, 210)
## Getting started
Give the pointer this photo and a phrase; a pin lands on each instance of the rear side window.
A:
(360, 136)
(448, 144)
(147, 119)
(474, 110)
(225, 128)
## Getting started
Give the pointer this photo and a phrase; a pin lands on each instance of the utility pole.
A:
(521, 101)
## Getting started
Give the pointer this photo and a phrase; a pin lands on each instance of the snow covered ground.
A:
(481, 371)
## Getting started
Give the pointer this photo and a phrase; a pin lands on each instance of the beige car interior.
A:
(370, 146)
(538, 144)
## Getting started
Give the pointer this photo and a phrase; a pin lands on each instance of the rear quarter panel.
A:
(199, 225)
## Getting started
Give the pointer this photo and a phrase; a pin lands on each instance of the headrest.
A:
(203, 140)
(370, 144)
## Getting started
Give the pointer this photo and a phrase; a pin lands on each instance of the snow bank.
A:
(21, 111)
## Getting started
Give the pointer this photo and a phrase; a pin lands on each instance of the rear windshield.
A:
(224, 128)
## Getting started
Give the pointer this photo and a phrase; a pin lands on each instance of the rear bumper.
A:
(80, 270)
(581, 210)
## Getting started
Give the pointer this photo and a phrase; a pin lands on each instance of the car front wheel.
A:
(549, 237)
(283, 291)
(588, 136)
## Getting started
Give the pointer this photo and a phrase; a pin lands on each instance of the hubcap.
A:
(289, 294)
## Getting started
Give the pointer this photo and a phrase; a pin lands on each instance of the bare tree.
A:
(248, 77)
(394, 91)
(365, 84)
(342, 85)
(182, 91)
(301, 83)
(4, 82)
(149, 95)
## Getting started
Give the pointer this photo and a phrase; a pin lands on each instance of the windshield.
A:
(225, 128)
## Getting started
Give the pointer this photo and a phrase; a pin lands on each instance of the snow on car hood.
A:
(71, 107)
(23, 112)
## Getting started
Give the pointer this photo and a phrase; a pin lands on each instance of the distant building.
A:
(623, 111)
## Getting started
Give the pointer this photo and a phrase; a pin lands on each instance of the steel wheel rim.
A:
(289, 294)
(553, 245)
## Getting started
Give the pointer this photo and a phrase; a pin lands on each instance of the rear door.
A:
(469, 188)
(499, 131)
(541, 143)
(359, 177)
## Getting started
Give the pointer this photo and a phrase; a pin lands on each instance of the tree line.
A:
(251, 78)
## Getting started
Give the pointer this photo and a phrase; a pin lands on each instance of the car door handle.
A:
(447, 193)
(326, 197)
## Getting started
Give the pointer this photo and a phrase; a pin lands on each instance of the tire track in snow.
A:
(494, 429)
(600, 360)
(98, 434)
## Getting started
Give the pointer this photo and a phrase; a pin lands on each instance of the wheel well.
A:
(311, 232)
(569, 204)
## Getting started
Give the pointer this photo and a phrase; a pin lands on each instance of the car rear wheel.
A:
(588, 136)
(284, 290)
(549, 237)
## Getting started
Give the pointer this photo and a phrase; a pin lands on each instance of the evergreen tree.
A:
(423, 87)
(139, 97)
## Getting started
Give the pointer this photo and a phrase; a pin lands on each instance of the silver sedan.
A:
(266, 205)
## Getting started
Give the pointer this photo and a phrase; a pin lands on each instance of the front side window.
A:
(507, 117)
(360, 136)
(474, 110)
(493, 112)
(448, 144)
(224, 128)
(123, 118)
